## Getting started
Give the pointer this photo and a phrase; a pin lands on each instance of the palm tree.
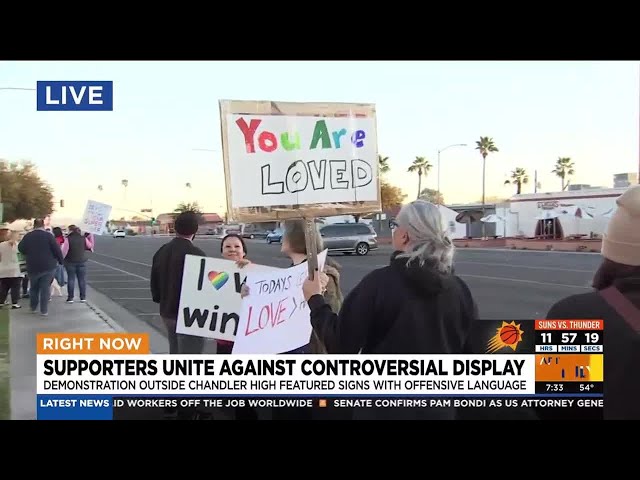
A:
(486, 146)
(422, 166)
(188, 207)
(564, 168)
(383, 163)
(519, 177)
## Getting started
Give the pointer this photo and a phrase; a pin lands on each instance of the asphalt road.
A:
(506, 284)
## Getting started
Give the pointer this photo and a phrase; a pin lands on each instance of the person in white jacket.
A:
(10, 276)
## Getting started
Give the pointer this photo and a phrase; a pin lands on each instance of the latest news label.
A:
(68, 95)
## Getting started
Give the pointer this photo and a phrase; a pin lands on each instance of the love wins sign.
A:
(210, 302)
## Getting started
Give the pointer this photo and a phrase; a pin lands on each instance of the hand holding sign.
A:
(315, 286)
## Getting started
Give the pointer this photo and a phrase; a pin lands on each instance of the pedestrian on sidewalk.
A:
(60, 277)
(10, 276)
(166, 281)
(75, 249)
(43, 256)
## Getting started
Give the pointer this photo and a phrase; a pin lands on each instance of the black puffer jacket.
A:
(399, 309)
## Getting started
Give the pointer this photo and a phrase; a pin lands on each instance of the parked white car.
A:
(119, 234)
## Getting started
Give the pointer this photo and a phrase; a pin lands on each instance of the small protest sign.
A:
(95, 217)
(210, 302)
(275, 317)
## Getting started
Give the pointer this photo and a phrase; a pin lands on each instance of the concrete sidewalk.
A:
(63, 317)
(97, 315)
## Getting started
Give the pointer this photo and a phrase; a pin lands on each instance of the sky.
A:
(164, 131)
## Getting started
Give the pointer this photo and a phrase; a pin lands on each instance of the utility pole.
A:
(535, 181)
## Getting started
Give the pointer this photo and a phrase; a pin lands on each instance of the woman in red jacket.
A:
(60, 276)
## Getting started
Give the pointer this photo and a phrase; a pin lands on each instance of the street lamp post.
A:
(439, 152)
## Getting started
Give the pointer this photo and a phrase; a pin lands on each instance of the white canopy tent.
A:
(609, 213)
(578, 212)
(493, 218)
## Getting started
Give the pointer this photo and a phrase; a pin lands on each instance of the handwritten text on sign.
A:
(210, 302)
(95, 217)
(275, 316)
(291, 160)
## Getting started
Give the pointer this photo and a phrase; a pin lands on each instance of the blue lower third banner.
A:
(74, 407)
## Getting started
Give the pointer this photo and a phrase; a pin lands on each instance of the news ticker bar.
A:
(100, 407)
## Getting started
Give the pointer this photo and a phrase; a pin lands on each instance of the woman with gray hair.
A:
(415, 305)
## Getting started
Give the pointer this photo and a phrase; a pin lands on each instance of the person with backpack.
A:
(76, 248)
(616, 301)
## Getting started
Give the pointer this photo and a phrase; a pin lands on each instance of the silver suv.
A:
(349, 238)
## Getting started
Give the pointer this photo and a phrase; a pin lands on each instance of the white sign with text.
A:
(275, 317)
(95, 217)
(210, 302)
(301, 160)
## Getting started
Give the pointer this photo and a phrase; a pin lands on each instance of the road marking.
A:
(531, 267)
(96, 274)
(115, 281)
(517, 250)
(524, 281)
(121, 271)
(126, 288)
(121, 259)
(132, 298)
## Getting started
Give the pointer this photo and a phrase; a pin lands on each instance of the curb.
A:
(6, 362)
(518, 250)
(105, 318)
(122, 320)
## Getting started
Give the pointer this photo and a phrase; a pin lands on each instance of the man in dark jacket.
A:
(43, 256)
(166, 281)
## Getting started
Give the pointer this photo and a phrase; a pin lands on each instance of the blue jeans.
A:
(40, 290)
(61, 275)
(76, 270)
